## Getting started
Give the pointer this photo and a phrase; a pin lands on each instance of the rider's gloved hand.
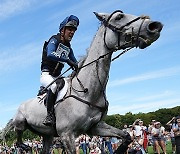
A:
(73, 65)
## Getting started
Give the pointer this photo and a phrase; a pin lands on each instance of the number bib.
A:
(63, 51)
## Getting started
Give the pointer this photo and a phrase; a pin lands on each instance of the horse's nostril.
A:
(154, 27)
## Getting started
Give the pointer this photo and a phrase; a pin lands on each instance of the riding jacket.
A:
(55, 54)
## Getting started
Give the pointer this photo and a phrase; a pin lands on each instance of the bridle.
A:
(119, 30)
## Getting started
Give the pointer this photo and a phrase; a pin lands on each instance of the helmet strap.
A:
(62, 34)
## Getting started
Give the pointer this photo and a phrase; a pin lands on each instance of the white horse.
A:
(85, 103)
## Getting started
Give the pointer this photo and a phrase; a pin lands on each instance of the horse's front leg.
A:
(68, 141)
(103, 129)
(47, 142)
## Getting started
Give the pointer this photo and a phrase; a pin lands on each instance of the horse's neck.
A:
(95, 75)
(98, 48)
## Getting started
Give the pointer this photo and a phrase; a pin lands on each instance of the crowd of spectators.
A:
(36, 147)
(142, 136)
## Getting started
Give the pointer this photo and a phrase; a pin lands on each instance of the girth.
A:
(102, 109)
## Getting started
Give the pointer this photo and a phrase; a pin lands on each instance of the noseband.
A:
(119, 29)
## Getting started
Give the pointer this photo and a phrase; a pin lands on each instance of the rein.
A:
(119, 31)
(85, 90)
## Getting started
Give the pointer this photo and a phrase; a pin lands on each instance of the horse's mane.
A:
(83, 58)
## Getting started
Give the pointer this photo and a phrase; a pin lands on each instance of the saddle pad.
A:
(63, 91)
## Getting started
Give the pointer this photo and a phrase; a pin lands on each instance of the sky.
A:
(140, 80)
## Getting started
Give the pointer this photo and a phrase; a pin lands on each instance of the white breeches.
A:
(46, 79)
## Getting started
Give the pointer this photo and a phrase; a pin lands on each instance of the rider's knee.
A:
(53, 87)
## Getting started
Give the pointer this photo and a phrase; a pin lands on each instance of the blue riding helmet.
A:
(71, 21)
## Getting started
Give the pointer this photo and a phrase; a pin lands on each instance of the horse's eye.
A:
(119, 16)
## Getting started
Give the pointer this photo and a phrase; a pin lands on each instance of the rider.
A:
(56, 52)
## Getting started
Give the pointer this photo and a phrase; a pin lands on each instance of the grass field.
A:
(168, 149)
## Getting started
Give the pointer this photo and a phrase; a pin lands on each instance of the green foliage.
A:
(162, 115)
(11, 137)
(29, 135)
(114, 120)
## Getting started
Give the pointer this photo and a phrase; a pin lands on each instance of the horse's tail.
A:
(9, 126)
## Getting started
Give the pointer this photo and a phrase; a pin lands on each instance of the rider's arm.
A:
(51, 51)
(72, 57)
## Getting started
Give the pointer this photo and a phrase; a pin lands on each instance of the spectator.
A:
(125, 128)
(107, 143)
(87, 140)
(83, 143)
(140, 133)
(170, 124)
(137, 146)
(77, 142)
(158, 133)
(94, 149)
(176, 129)
(132, 133)
(151, 126)
(114, 142)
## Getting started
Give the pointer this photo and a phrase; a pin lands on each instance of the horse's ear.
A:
(101, 16)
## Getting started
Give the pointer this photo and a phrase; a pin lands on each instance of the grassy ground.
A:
(168, 149)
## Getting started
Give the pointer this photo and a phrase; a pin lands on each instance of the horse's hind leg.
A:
(20, 125)
(103, 129)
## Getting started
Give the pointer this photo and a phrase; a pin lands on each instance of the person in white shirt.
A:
(158, 133)
(94, 149)
(139, 128)
(139, 133)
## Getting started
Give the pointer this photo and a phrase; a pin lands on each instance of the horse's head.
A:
(124, 30)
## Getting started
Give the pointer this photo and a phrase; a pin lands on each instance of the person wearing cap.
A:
(150, 127)
(140, 130)
(158, 133)
(57, 52)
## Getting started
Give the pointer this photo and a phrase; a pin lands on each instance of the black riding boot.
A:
(50, 101)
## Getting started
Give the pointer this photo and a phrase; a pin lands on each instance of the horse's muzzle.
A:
(153, 30)
(154, 27)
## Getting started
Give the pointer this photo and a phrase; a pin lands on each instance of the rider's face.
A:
(69, 33)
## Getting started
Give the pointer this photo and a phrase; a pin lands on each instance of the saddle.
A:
(62, 86)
